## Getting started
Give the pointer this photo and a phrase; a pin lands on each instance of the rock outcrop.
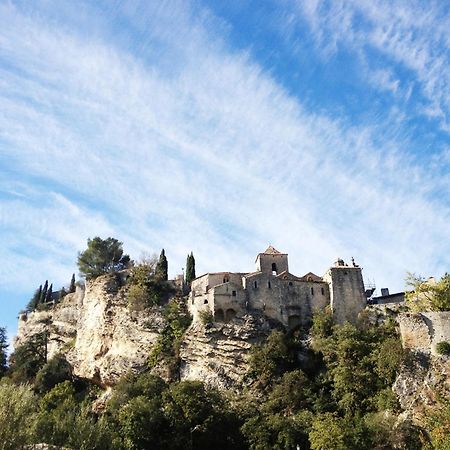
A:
(218, 353)
(103, 339)
(425, 374)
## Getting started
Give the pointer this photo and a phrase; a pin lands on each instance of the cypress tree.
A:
(190, 268)
(193, 266)
(72, 284)
(48, 297)
(44, 293)
(162, 267)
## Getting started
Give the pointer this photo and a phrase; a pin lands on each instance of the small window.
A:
(205, 301)
(233, 293)
(290, 283)
(269, 285)
(255, 284)
(323, 291)
(274, 267)
(312, 291)
(193, 299)
(226, 279)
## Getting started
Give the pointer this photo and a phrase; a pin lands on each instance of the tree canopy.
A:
(428, 295)
(102, 256)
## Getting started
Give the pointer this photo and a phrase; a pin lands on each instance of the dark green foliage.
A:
(102, 256)
(271, 360)
(443, 348)
(168, 345)
(44, 293)
(29, 358)
(149, 414)
(72, 286)
(162, 267)
(48, 297)
(55, 371)
(65, 419)
(62, 294)
(3, 351)
(190, 268)
(146, 288)
(35, 300)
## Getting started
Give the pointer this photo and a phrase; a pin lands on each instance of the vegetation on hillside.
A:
(328, 387)
(428, 294)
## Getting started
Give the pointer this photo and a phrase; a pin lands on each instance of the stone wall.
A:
(347, 298)
(422, 331)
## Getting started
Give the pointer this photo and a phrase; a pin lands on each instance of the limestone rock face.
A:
(422, 378)
(111, 339)
(218, 353)
(102, 339)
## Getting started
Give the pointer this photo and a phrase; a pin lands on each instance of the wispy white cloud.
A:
(411, 36)
(193, 148)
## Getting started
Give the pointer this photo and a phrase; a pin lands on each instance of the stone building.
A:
(277, 293)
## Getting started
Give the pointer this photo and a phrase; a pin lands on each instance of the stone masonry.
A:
(280, 295)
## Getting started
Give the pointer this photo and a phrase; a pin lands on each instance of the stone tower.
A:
(347, 294)
(272, 261)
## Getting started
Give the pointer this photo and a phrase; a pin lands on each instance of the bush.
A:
(443, 348)
(55, 371)
(206, 316)
(17, 413)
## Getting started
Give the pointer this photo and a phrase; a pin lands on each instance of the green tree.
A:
(35, 300)
(190, 268)
(17, 412)
(29, 358)
(270, 360)
(55, 371)
(44, 293)
(428, 295)
(48, 297)
(102, 256)
(3, 351)
(162, 267)
(72, 284)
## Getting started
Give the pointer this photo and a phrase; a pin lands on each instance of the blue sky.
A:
(219, 127)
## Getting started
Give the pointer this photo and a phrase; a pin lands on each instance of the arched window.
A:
(255, 284)
(290, 283)
(274, 268)
(312, 291)
(269, 285)
(226, 279)
(322, 290)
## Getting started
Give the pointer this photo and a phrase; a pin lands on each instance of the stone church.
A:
(277, 293)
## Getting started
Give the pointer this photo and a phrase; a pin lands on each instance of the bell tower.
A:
(272, 261)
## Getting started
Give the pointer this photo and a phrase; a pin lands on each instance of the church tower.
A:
(272, 261)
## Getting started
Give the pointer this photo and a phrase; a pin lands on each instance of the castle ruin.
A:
(278, 294)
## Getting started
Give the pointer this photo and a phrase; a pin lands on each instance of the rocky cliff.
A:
(103, 339)
(425, 374)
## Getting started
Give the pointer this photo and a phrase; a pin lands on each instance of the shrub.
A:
(206, 316)
(443, 348)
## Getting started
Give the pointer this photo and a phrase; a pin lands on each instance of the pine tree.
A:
(72, 284)
(44, 293)
(48, 297)
(162, 267)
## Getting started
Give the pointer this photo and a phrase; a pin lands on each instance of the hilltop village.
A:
(279, 294)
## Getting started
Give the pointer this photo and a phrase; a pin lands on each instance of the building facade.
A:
(278, 294)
